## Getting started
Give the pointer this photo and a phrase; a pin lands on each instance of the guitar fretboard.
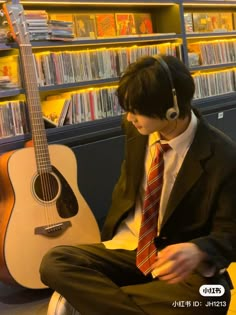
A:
(34, 107)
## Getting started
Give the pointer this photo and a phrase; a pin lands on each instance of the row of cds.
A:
(76, 66)
(13, 118)
(214, 52)
(214, 83)
(69, 26)
(81, 106)
(92, 104)
(41, 26)
(64, 109)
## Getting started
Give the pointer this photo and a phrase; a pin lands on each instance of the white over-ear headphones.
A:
(172, 113)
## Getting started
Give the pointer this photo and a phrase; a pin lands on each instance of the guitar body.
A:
(35, 219)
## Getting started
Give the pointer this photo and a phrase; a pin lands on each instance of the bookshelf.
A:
(90, 138)
(216, 61)
(173, 32)
(161, 35)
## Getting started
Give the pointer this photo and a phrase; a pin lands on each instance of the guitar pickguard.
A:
(50, 187)
(67, 204)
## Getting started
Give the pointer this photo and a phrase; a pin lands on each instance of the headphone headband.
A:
(173, 112)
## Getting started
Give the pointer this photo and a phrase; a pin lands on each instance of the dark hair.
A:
(145, 87)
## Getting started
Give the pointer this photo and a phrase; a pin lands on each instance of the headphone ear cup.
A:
(171, 114)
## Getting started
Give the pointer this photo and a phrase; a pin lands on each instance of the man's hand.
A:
(175, 262)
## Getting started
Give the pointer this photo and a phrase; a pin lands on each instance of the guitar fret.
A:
(43, 166)
(39, 133)
(45, 170)
(40, 156)
(41, 148)
(39, 138)
(43, 159)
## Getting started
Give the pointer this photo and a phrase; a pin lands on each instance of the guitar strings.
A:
(39, 137)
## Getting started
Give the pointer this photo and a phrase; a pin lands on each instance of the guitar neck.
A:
(34, 107)
(18, 25)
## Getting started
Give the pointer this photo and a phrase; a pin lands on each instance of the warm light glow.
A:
(193, 36)
(112, 3)
(210, 71)
(194, 4)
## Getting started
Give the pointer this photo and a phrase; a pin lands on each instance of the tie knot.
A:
(163, 147)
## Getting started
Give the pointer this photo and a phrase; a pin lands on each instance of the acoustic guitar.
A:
(40, 204)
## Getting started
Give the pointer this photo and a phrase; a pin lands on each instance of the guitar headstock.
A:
(17, 22)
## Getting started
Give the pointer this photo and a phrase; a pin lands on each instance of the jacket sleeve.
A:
(220, 244)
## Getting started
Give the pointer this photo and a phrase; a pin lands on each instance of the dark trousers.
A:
(99, 281)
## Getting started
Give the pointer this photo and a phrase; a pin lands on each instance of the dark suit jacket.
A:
(202, 205)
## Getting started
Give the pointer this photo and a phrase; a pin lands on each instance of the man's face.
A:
(147, 125)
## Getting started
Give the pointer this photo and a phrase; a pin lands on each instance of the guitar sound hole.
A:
(46, 187)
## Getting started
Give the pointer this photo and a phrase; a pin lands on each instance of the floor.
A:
(20, 301)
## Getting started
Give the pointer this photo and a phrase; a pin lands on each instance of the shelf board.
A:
(208, 3)
(13, 143)
(89, 83)
(4, 46)
(195, 35)
(99, 2)
(86, 132)
(10, 92)
(216, 102)
(123, 2)
(57, 87)
(212, 67)
(106, 40)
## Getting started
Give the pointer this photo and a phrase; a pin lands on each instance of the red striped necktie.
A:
(146, 251)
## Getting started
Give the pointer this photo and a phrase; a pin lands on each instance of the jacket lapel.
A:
(135, 161)
(193, 165)
(191, 169)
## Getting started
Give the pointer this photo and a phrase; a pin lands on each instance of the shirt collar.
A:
(182, 142)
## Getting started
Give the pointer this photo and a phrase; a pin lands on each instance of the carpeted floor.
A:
(21, 301)
(15, 300)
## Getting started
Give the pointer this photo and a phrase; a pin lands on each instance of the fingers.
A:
(175, 277)
(164, 269)
(166, 256)
(171, 271)
(175, 263)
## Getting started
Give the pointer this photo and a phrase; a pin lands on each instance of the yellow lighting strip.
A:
(210, 35)
(113, 3)
(188, 4)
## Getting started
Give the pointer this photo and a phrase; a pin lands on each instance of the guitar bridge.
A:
(53, 229)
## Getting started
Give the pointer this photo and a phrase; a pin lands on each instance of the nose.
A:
(130, 117)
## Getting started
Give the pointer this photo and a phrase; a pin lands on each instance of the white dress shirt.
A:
(127, 233)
